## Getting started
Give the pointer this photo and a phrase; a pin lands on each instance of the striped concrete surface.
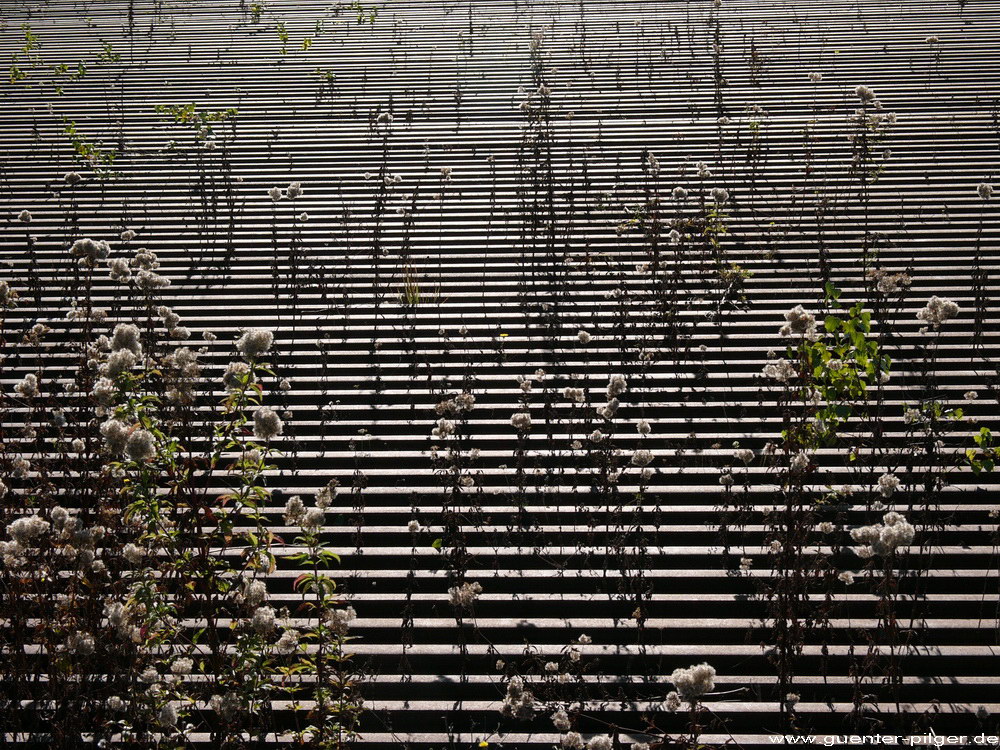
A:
(521, 226)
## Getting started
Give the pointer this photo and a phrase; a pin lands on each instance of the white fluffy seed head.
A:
(521, 421)
(267, 424)
(937, 311)
(693, 682)
(255, 343)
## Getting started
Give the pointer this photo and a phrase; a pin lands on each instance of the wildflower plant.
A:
(826, 373)
(153, 545)
(319, 647)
